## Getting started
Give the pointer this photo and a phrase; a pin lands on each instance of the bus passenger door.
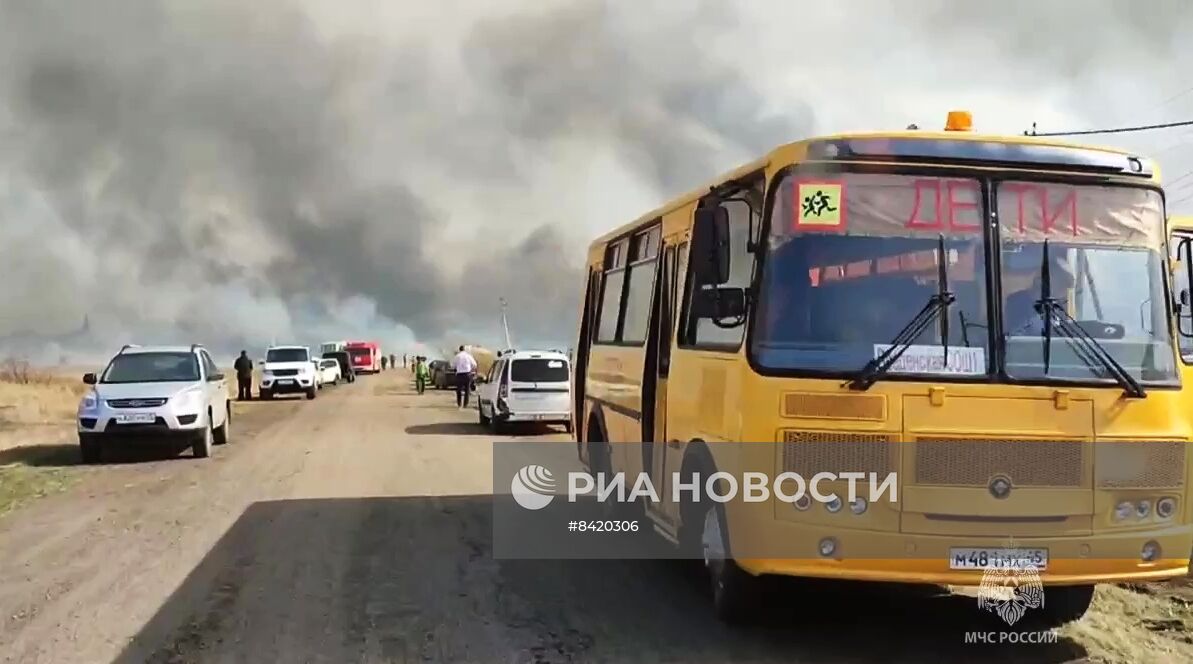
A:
(580, 360)
(662, 339)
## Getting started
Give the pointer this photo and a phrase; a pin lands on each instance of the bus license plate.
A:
(966, 558)
(136, 418)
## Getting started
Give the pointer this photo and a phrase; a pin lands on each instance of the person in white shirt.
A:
(465, 366)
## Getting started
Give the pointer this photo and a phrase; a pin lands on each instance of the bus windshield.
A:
(852, 258)
(1105, 268)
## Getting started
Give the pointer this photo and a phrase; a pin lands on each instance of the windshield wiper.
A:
(937, 305)
(1084, 344)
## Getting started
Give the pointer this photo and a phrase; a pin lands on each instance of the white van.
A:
(526, 386)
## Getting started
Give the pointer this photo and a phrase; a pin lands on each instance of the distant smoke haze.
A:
(238, 173)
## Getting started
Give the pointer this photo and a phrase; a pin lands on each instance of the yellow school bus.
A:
(989, 315)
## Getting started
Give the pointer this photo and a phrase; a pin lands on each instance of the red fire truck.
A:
(366, 356)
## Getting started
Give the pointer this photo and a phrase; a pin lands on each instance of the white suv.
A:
(329, 371)
(289, 370)
(526, 386)
(155, 393)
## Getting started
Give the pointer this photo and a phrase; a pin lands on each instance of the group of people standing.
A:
(464, 365)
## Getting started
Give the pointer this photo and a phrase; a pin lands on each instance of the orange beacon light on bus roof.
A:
(959, 121)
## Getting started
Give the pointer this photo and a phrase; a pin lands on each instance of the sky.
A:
(304, 170)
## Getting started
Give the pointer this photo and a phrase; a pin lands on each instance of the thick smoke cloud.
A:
(240, 173)
(226, 171)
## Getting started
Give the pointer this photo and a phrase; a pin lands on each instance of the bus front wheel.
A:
(705, 538)
(1062, 605)
(734, 591)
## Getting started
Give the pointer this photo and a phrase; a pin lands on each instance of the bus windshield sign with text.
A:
(902, 206)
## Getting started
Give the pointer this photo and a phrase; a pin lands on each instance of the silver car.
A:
(158, 394)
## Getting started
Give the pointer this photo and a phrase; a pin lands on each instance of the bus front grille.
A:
(974, 462)
(811, 452)
(1140, 465)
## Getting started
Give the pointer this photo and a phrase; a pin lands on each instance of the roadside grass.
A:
(29, 395)
(21, 483)
(37, 408)
(1136, 624)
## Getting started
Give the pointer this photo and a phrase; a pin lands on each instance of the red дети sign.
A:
(1062, 214)
(949, 200)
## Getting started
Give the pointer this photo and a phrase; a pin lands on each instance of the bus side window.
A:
(644, 256)
(609, 312)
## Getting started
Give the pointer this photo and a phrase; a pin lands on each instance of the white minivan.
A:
(526, 386)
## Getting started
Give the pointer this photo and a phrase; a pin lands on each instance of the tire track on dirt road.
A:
(124, 537)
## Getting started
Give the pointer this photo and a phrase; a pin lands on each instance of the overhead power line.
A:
(1117, 130)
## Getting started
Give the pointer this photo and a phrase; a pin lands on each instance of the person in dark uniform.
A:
(384, 361)
(244, 377)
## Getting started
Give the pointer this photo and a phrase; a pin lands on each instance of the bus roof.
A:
(788, 152)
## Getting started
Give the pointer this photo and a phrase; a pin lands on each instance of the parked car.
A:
(526, 386)
(443, 375)
(345, 361)
(155, 393)
(289, 370)
(329, 371)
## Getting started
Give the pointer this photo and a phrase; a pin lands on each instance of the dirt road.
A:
(356, 528)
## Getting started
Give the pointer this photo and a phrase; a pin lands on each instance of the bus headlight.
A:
(803, 503)
(1143, 509)
(858, 506)
(1166, 507)
(1123, 511)
(828, 546)
(833, 505)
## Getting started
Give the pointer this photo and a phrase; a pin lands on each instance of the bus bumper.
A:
(1105, 557)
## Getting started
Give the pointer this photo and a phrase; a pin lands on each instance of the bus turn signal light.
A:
(959, 121)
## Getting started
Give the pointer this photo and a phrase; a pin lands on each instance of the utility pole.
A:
(506, 326)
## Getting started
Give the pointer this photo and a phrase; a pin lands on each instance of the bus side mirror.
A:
(1184, 311)
(1184, 315)
(710, 244)
(724, 303)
